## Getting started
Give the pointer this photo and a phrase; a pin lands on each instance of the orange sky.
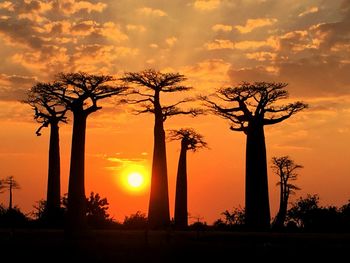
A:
(215, 43)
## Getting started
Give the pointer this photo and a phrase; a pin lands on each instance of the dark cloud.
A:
(13, 87)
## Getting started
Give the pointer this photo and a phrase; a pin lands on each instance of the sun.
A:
(135, 179)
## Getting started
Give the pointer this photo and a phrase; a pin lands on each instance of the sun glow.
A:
(135, 179)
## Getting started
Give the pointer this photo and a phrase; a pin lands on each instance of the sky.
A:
(215, 44)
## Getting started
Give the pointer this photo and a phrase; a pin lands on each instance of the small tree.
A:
(190, 140)
(10, 184)
(48, 111)
(236, 217)
(135, 221)
(303, 210)
(286, 170)
(249, 107)
(153, 84)
(96, 211)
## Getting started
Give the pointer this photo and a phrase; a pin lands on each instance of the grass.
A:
(23, 245)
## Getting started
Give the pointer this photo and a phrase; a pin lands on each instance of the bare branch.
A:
(190, 139)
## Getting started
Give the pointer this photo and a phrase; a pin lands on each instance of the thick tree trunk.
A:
(257, 195)
(181, 219)
(76, 214)
(158, 211)
(53, 184)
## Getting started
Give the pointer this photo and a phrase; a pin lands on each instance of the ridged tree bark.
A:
(190, 140)
(153, 83)
(254, 107)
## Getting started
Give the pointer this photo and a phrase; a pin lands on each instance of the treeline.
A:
(305, 215)
(96, 214)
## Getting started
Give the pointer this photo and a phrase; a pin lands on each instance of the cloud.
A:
(137, 28)
(262, 56)
(221, 27)
(208, 74)
(14, 87)
(69, 7)
(310, 10)
(220, 44)
(217, 44)
(252, 24)
(206, 5)
(7, 5)
(271, 42)
(171, 41)
(100, 58)
(148, 11)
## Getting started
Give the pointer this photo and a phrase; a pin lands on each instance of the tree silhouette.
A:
(80, 92)
(96, 211)
(190, 140)
(10, 184)
(48, 111)
(154, 83)
(254, 106)
(285, 169)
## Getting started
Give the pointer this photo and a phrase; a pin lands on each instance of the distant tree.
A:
(303, 210)
(79, 93)
(96, 211)
(249, 107)
(12, 217)
(190, 140)
(48, 111)
(286, 170)
(135, 221)
(236, 217)
(10, 184)
(153, 84)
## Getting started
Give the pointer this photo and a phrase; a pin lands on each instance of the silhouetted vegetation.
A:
(136, 221)
(48, 111)
(249, 107)
(286, 170)
(153, 84)
(12, 218)
(10, 184)
(234, 220)
(190, 140)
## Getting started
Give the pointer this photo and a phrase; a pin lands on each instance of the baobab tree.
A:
(79, 93)
(10, 184)
(153, 84)
(286, 170)
(48, 111)
(190, 140)
(249, 107)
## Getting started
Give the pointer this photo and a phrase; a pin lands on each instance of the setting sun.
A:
(135, 179)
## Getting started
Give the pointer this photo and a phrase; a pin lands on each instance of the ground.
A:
(171, 246)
